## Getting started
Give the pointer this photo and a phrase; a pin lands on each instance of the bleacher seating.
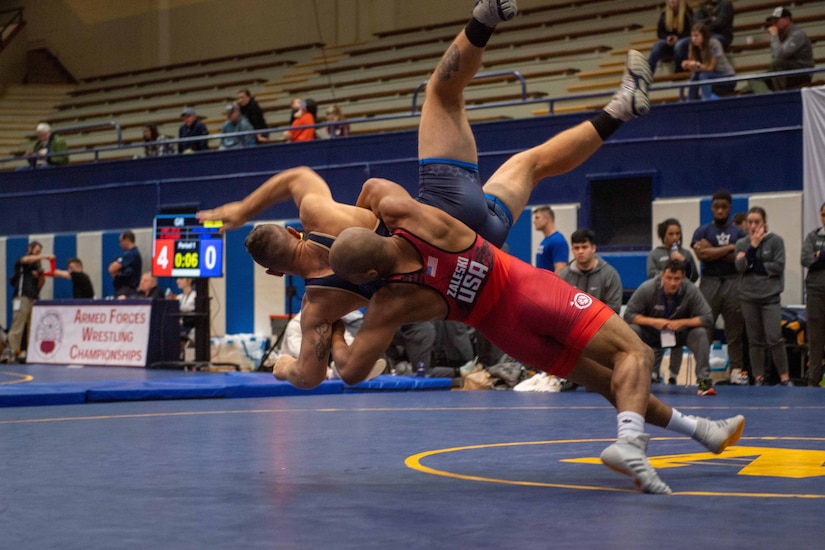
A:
(560, 48)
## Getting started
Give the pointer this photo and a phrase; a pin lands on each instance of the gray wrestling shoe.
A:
(631, 99)
(493, 12)
(718, 435)
(627, 456)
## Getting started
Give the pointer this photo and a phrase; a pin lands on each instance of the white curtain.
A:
(813, 156)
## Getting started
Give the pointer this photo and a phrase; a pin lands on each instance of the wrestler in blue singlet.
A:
(454, 187)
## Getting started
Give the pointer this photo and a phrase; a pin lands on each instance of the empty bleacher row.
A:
(561, 48)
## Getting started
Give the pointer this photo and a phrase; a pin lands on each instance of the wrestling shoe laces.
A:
(717, 435)
(627, 456)
(631, 99)
(493, 12)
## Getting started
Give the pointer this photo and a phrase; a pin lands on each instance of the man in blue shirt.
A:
(126, 268)
(553, 251)
(714, 245)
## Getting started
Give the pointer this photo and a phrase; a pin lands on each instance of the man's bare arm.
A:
(376, 189)
(318, 313)
(310, 368)
(61, 274)
(294, 183)
(355, 362)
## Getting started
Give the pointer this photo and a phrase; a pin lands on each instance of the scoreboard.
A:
(185, 247)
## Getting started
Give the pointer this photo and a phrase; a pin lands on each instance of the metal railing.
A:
(551, 103)
(67, 129)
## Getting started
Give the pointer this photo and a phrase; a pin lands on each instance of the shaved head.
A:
(359, 255)
(272, 247)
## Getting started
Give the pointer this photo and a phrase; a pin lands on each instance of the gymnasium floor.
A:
(406, 470)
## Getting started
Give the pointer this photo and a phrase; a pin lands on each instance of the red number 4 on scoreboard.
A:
(164, 253)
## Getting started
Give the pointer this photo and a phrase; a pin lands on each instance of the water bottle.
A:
(674, 249)
(420, 371)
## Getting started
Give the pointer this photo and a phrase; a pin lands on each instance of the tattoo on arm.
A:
(324, 343)
(449, 63)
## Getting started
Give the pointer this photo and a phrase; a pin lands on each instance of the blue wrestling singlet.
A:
(454, 187)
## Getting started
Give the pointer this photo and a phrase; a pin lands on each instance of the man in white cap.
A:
(192, 127)
(790, 49)
(42, 150)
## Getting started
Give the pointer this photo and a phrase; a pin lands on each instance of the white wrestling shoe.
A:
(718, 435)
(631, 100)
(493, 12)
(378, 368)
(627, 456)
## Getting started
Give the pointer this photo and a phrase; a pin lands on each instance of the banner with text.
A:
(89, 334)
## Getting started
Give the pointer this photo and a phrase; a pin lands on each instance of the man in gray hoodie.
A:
(591, 273)
(669, 311)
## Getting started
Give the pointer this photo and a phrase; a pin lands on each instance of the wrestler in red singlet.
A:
(530, 313)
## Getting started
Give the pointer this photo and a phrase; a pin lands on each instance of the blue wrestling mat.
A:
(408, 470)
(19, 387)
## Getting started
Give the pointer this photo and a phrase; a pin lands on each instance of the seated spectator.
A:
(81, 283)
(294, 108)
(303, 117)
(253, 113)
(236, 122)
(192, 127)
(42, 151)
(148, 287)
(790, 49)
(707, 61)
(717, 15)
(669, 311)
(341, 128)
(674, 35)
(186, 303)
(157, 146)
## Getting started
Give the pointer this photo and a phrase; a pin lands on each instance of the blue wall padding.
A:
(631, 265)
(240, 283)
